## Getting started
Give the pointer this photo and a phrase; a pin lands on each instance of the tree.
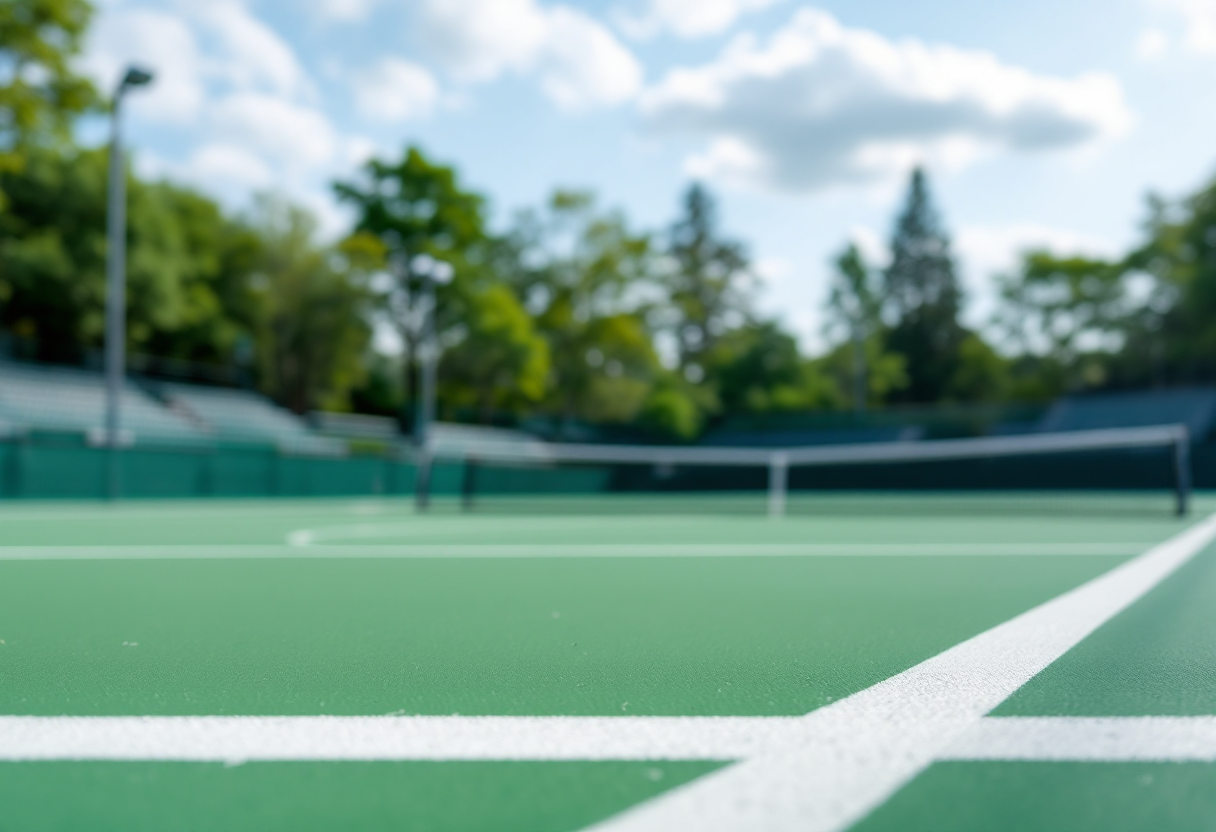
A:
(584, 276)
(499, 362)
(709, 281)
(1066, 316)
(415, 206)
(1170, 328)
(855, 311)
(922, 297)
(40, 93)
(758, 369)
(312, 332)
(188, 266)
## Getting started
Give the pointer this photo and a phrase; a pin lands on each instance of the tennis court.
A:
(870, 662)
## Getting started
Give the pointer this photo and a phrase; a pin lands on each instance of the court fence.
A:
(63, 466)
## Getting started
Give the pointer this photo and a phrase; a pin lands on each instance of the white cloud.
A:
(1152, 44)
(158, 41)
(249, 54)
(1198, 18)
(579, 62)
(296, 137)
(227, 165)
(345, 11)
(395, 90)
(686, 18)
(820, 104)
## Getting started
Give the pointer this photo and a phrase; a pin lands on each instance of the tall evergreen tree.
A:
(708, 287)
(923, 298)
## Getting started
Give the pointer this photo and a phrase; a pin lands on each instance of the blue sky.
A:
(1042, 123)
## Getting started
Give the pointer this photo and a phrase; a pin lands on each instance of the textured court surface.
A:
(662, 627)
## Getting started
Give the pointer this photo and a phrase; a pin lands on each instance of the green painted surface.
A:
(1053, 797)
(522, 636)
(1158, 658)
(533, 636)
(321, 797)
(270, 521)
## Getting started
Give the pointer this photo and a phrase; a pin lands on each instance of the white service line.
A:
(1123, 739)
(455, 551)
(241, 738)
(231, 739)
(840, 762)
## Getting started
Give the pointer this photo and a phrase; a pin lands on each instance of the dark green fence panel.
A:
(308, 476)
(241, 472)
(154, 473)
(59, 471)
(446, 478)
(8, 472)
(400, 477)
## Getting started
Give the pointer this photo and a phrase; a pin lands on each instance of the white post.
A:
(778, 475)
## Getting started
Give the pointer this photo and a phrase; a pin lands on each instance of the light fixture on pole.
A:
(116, 275)
(433, 273)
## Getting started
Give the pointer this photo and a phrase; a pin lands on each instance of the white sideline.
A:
(232, 739)
(1139, 739)
(563, 550)
(845, 759)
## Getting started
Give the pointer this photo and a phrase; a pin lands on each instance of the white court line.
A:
(1139, 739)
(840, 762)
(231, 739)
(216, 738)
(566, 550)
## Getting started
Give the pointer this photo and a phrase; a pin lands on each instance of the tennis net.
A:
(1149, 460)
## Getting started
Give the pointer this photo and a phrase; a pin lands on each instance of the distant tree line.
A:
(570, 313)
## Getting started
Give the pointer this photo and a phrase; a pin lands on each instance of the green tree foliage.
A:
(860, 364)
(759, 369)
(312, 332)
(499, 362)
(1170, 332)
(675, 408)
(414, 207)
(584, 276)
(709, 282)
(188, 293)
(1064, 316)
(40, 94)
(923, 298)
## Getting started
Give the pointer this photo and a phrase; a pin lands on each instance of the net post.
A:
(422, 479)
(1182, 470)
(778, 476)
(468, 485)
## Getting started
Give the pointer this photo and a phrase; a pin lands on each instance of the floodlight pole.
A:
(116, 279)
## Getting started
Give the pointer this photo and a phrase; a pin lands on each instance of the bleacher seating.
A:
(1194, 407)
(244, 416)
(34, 397)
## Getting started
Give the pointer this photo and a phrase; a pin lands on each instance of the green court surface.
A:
(657, 664)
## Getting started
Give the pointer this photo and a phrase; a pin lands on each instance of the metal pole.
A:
(116, 292)
(426, 395)
(778, 475)
(1182, 471)
(860, 382)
